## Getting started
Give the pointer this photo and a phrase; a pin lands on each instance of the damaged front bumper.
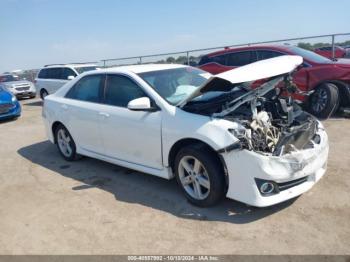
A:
(291, 174)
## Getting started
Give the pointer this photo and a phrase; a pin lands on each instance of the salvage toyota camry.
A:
(217, 135)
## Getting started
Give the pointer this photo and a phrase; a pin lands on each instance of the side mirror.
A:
(141, 104)
(70, 77)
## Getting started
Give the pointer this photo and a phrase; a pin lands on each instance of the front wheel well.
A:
(195, 143)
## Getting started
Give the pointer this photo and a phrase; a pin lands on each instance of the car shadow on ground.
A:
(35, 103)
(8, 120)
(138, 188)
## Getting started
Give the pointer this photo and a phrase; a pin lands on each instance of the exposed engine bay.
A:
(269, 121)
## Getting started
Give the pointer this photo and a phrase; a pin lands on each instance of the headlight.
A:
(13, 99)
(238, 132)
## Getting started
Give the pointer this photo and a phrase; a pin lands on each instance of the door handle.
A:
(105, 115)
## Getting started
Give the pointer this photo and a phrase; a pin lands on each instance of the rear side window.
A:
(87, 89)
(54, 73)
(266, 54)
(326, 48)
(220, 59)
(120, 90)
(43, 73)
(241, 58)
(50, 73)
(204, 60)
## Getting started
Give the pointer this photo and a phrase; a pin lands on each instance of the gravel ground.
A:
(49, 206)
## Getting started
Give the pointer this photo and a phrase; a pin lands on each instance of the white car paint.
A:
(145, 139)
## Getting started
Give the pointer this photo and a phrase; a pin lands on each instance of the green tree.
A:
(170, 60)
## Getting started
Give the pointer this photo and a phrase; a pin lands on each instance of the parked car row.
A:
(215, 134)
(324, 84)
(229, 127)
(49, 79)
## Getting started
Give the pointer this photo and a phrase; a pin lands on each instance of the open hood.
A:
(252, 72)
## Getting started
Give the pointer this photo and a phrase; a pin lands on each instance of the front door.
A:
(131, 136)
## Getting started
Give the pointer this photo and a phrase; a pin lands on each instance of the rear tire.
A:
(324, 101)
(65, 143)
(197, 169)
(43, 94)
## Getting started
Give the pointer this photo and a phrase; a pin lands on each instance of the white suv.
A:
(51, 77)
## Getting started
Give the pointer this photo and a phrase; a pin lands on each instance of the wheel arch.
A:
(54, 127)
(196, 143)
(342, 87)
(343, 91)
(41, 90)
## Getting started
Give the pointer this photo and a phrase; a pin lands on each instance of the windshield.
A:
(7, 78)
(83, 69)
(174, 85)
(309, 55)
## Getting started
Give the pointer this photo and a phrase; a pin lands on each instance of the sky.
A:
(38, 32)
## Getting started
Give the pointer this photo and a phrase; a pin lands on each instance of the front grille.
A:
(5, 108)
(23, 88)
(289, 184)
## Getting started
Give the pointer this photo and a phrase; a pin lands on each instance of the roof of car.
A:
(143, 68)
(69, 65)
(243, 48)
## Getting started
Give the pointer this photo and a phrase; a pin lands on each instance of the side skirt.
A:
(163, 173)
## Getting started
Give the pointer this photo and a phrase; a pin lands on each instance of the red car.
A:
(330, 79)
(326, 51)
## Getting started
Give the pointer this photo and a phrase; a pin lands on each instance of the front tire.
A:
(324, 101)
(65, 143)
(43, 94)
(200, 175)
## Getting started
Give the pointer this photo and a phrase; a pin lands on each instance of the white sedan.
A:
(216, 134)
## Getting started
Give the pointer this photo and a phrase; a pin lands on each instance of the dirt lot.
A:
(49, 206)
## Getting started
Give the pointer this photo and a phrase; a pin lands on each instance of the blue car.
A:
(9, 106)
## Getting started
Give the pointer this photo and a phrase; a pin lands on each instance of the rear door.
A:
(81, 108)
(56, 79)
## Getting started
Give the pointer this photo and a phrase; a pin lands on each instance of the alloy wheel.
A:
(64, 143)
(194, 178)
(319, 100)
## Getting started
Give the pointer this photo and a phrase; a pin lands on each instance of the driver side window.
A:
(120, 90)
